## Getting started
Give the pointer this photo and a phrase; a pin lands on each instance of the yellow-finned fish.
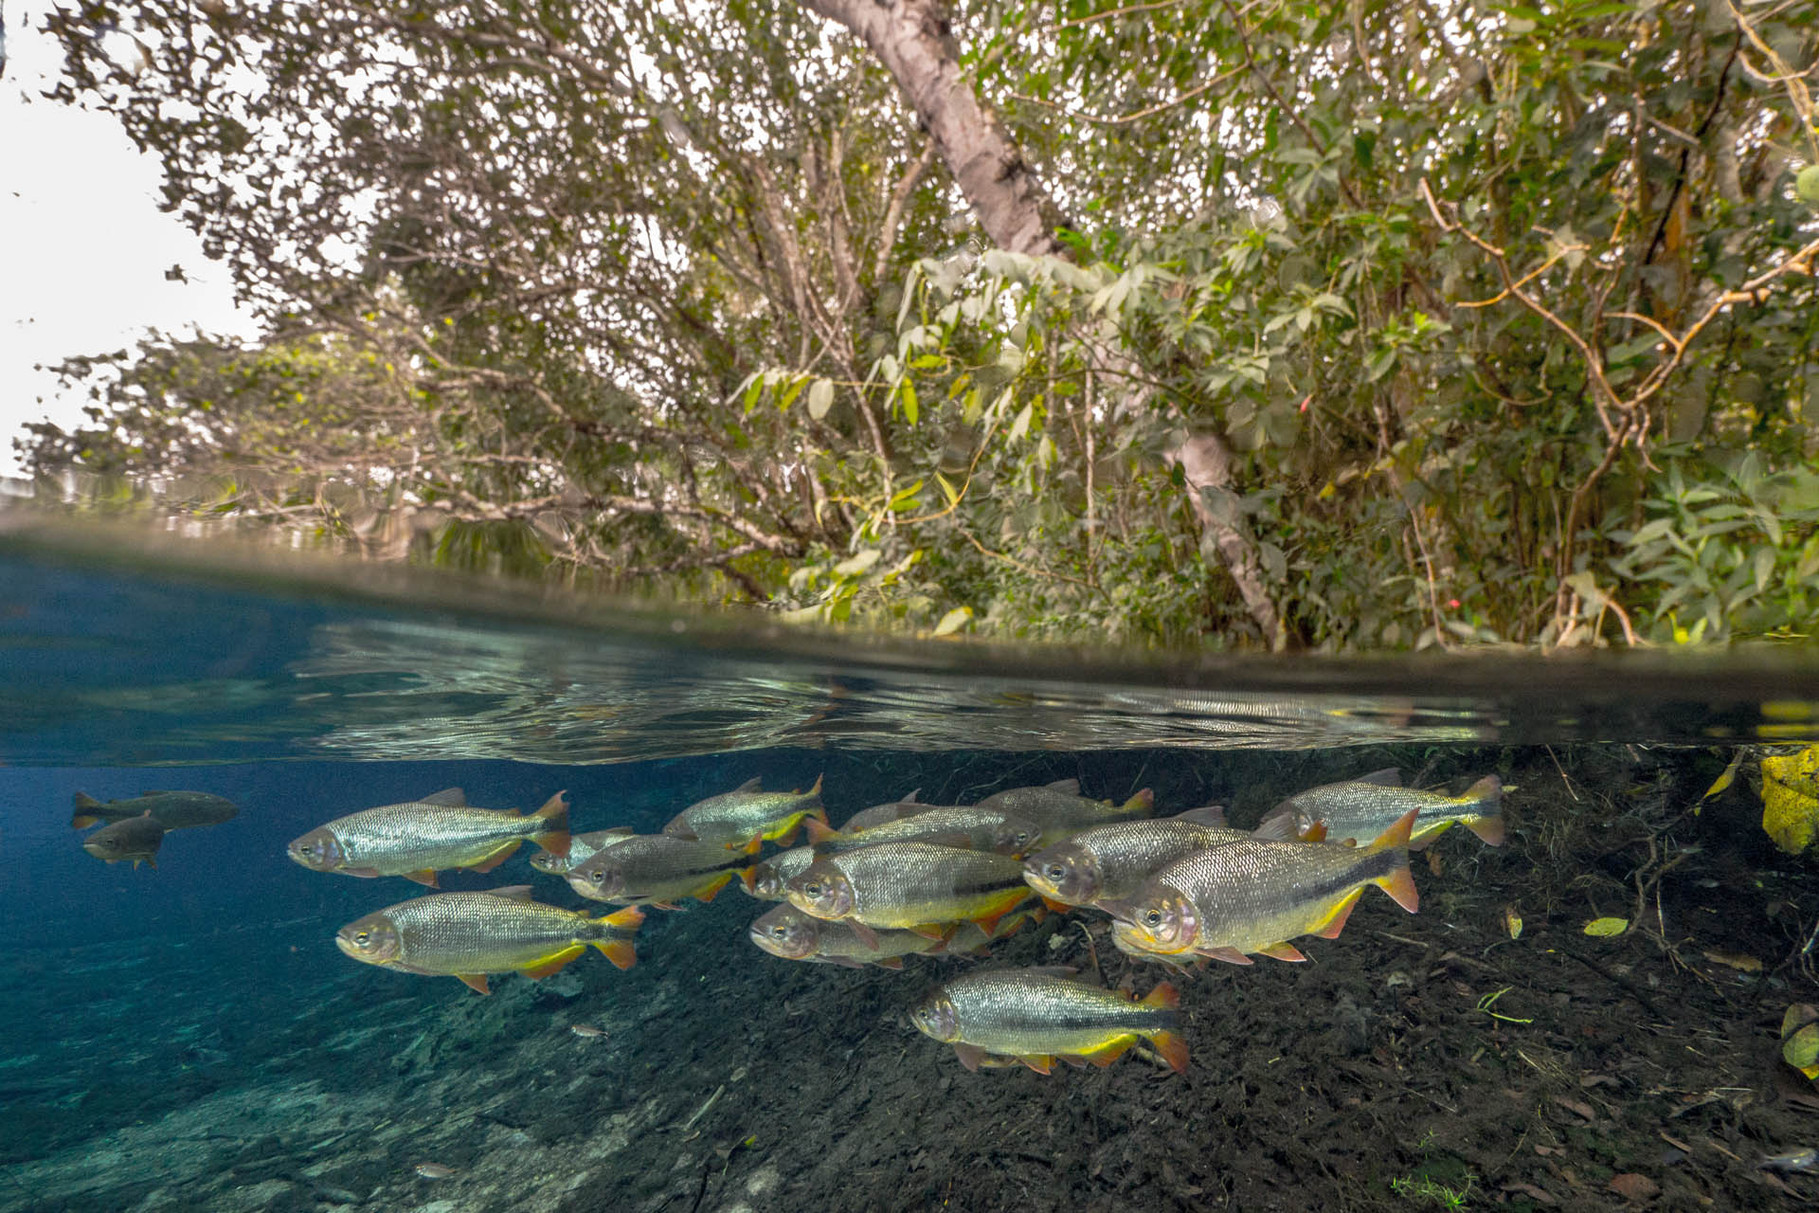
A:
(950, 825)
(469, 935)
(768, 879)
(912, 886)
(1255, 895)
(172, 810)
(787, 932)
(1358, 810)
(136, 839)
(747, 817)
(1058, 809)
(1113, 861)
(1037, 1015)
(419, 838)
(656, 869)
(580, 848)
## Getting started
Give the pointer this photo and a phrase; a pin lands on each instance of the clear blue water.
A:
(189, 1037)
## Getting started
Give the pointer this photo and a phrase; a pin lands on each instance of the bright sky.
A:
(86, 248)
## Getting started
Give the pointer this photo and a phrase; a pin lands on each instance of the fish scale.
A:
(1125, 854)
(485, 933)
(911, 883)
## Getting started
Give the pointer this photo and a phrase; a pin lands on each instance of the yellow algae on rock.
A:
(1790, 799)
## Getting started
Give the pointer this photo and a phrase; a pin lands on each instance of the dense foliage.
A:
(1375, 325)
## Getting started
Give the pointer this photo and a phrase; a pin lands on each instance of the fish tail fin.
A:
(1164, 995)
(628, 919)
(621, 952)
(749, 878)
(1173, 1050)
(553, 818)
(1488, 793)
(1143, 802)
(85, 815)
(1397, 835)
(818, 831)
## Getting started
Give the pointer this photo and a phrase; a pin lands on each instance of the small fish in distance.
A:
(173, 810)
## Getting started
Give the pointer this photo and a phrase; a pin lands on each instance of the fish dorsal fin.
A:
(1067, 787)
(1053, 970)
(453, 798)
(1211, 815)
(911, 798)
(754, 784)
(512, 892)
(1388, 777)
(1279, 826)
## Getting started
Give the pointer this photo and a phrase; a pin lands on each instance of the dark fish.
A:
(1113, 861)
(656, 869)
(419, 838)
(136, 839)
(1037, 1015)
(952, 825)
(172, 810)
(469, 935)
(1360, 809)
(1255, 895)
(787, 932)
(1059, 809)
(747, 817)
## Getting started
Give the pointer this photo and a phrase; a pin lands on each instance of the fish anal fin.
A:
(889, 962)
(1335, 921)
(1172, 1049)
(426, 876)
(970, 1055)
(1110, 1053)
(1283, 951)
(474, 981)
(711, 889)
(495, 859)
(453, 798)
(620, 951)
(552, 964)
(754, 845)
(1041, 1063)
(819, 831)
(934, 930)
(1400, 885)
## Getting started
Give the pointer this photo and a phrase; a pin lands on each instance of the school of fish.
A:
(907, 879)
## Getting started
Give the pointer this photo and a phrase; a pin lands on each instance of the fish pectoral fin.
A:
(865, 934)
(750, 848)
(998, 908)
(889, 962)
(496, 858)
(1283, 951)
(970, 1055)
(553, 963)
(362, 873)
(1059, 907)
(620, 951)
(1041, 1063)
(427, 876)
(935, 930)
(711, 889)
(474, 981)
(1231, 956)
(1335, 921)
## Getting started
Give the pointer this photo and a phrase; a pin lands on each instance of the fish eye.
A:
(1056, 871)
(813, 888)
(361, 937)
(1152, 918)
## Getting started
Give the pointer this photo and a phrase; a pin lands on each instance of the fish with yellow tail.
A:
(1254, 896)
(468, 935)
(419, 838)
(747, 817)
(1039, 1015)
(950, 825)
(913, 886)
(787, 932)
(1113, 861)
(1058, 809)
(1361, 809)
(658, 870)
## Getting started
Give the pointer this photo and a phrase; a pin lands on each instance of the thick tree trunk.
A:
(913, 40)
